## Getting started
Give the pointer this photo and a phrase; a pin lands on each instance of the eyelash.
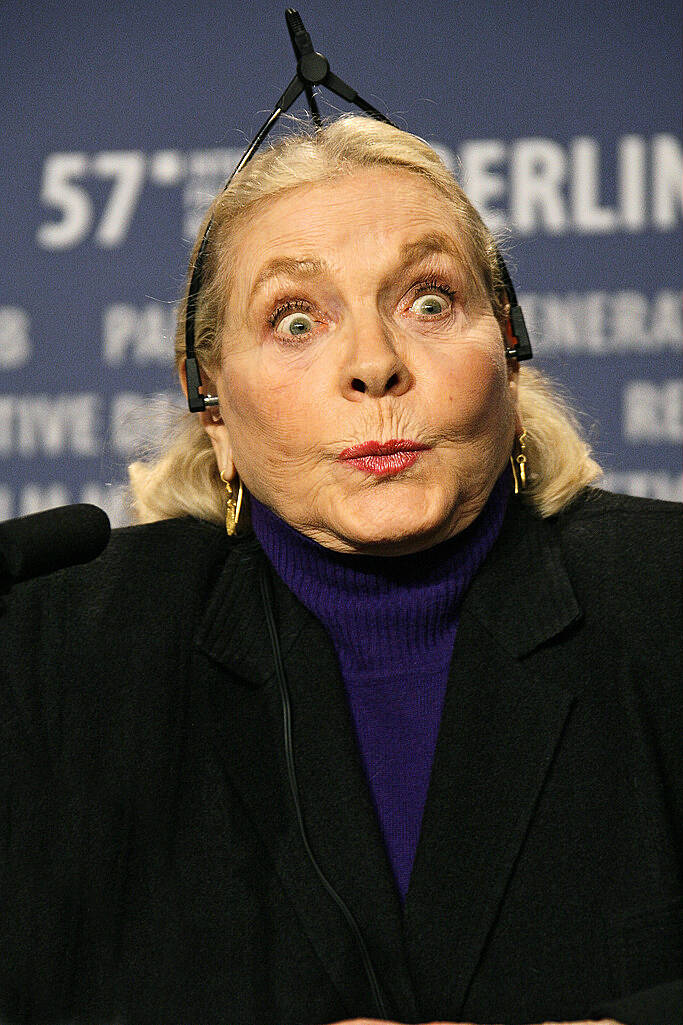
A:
(436, 286)
(288, 307)
(301, 304)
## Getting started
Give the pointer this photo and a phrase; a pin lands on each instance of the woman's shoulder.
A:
(163, 543)
(593, 504)
(624, 552)
(615, 560)
(151, 582)
(157, 553)
(111, 636)
(624, 527)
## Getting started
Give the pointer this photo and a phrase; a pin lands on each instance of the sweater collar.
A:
(400, 607)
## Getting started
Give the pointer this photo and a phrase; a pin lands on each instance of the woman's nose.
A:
(374, 367)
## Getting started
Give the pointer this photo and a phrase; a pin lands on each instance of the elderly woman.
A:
(404, 742)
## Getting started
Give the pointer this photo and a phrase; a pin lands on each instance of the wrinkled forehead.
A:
(371, 222)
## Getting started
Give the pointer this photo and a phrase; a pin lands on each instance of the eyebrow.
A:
(430, 244)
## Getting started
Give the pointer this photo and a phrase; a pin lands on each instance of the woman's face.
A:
(365, 395)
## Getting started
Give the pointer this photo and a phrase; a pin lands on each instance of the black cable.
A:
(267, 596)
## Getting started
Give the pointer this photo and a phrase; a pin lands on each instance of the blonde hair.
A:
(182, 479)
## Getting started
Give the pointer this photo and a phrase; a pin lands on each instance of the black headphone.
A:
(314, 69)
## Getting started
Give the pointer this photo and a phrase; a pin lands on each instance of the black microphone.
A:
(44, 542)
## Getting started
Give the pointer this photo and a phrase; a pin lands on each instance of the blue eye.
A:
(430, 305)
(295, 324)
(292, 318)
(433, 299)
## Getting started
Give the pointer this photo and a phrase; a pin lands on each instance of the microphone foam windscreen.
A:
(48, 541)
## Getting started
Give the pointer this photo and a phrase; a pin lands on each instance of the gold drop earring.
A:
(519, 457)
(233, 507)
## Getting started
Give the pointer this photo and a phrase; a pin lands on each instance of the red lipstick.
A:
(383, 458)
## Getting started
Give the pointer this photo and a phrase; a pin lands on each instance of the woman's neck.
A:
(379, 609)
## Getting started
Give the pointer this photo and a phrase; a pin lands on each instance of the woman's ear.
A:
(212, 422)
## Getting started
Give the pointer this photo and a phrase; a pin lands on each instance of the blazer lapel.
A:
(499, 730)
(339, 818)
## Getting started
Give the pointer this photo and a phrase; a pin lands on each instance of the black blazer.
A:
(151, 865)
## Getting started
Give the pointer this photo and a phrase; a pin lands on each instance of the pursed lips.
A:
(383, 458)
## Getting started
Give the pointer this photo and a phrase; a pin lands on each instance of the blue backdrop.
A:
(122, 120)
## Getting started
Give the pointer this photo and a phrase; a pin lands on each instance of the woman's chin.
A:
(382, 525)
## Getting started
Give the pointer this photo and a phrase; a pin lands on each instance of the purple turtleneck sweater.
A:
(393, 623)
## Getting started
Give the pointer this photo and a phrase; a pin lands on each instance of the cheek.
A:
(275, 417)
(476, 389)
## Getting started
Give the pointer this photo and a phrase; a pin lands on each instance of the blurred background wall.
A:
(122, 120)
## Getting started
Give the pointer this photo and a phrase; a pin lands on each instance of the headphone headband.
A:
(313, 70)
